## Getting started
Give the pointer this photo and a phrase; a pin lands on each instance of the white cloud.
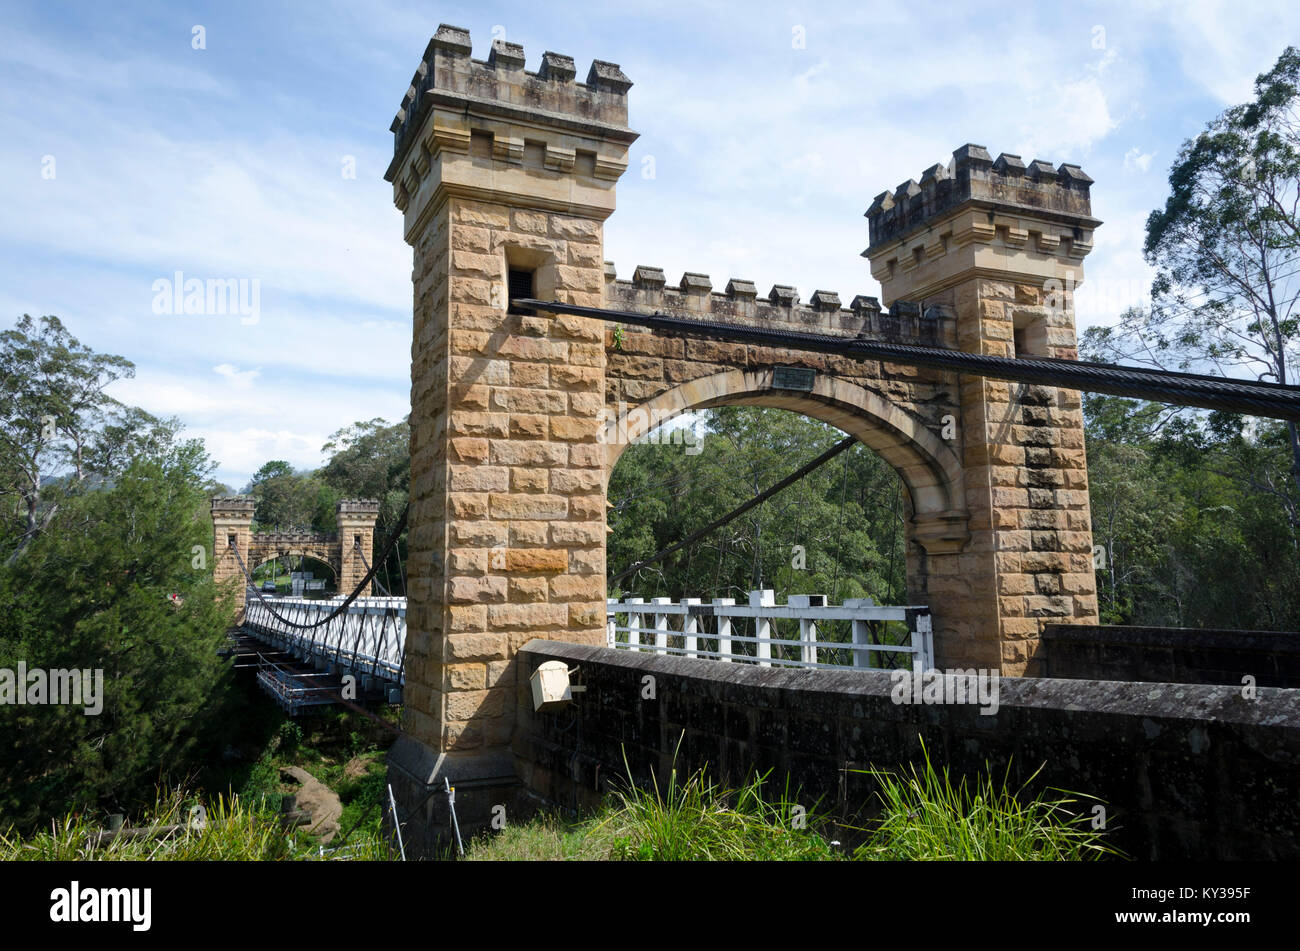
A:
(240, 379)
(766, 158)
(1135, 158)
(1223, 45)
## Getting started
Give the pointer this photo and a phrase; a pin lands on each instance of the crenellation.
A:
(1059, 194)
(1009, 165)
(505, 55)
(500, 85)
(556, 67)
(823, 301)
(741, 289)
(783, 295)
(648, 278)
(692, 282)
(739, 303)
(1041, 171)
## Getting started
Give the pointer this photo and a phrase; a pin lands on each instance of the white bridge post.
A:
(764, 598)
(724, 628)
(661, 625)
(690, 628)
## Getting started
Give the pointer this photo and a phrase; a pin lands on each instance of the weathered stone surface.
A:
(512, 412)
(1147, 750)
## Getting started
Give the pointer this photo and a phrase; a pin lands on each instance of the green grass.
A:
(227, 829)
(924, 815)
(691, 820)
(928, 817)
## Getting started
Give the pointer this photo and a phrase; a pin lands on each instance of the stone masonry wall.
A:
(510, 436)
(1030, 558)
(1184, 771)
(1174, 655)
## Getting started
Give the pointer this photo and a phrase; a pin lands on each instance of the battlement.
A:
(270, 539)
(233, 506)
(739, 303)
(359, 508)
(500, 86)
(1005, 183)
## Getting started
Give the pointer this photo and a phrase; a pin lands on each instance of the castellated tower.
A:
(504, 178)
(356, 520)
(232, 526)
(999, 246)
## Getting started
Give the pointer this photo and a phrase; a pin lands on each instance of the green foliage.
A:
(1195, 516)
(1226, 294)
(58, 428)
(372, 460)
(290, 736)
(228, 829)
(363, 801)
(926, 816)
(93, 592)
(290, 500)
(846, 518)
(106, 546)
(695, 820)
(692, 820)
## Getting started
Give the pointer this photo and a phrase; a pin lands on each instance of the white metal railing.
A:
(858, 633)
(369, 636)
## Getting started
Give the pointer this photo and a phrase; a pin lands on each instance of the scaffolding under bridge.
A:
(309, 654)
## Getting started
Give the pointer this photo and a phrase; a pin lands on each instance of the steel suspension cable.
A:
(1184, 389)
(388, 547)
(735, 513)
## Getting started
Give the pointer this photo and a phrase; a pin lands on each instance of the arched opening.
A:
(859, 530)
(838, 531)
(929, 466)
(295, 572)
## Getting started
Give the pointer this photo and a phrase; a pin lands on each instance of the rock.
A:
(316, 799)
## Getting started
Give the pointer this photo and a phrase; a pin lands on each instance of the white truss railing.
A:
(857, 634)
(369, 637)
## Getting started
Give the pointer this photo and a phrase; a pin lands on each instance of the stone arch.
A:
(931, 471)
(329, 559)
(346, 551)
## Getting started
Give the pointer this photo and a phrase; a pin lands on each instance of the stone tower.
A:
(232, 524)
(504, 178)
(347, 551)
(999, 245)
(356, 519)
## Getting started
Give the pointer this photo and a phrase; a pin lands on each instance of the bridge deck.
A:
(303, 655)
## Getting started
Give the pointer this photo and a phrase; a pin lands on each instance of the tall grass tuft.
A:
(223, 829)
(926, 816)
(697, 820)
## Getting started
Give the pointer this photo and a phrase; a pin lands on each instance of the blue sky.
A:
(228, 161)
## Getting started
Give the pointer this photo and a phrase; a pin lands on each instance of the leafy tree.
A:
(286, 499)
(106, 542)
(372, 460)
(838, 531)
(1227, 248)
(57, 425)
(1189, 541)
(95, 590)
